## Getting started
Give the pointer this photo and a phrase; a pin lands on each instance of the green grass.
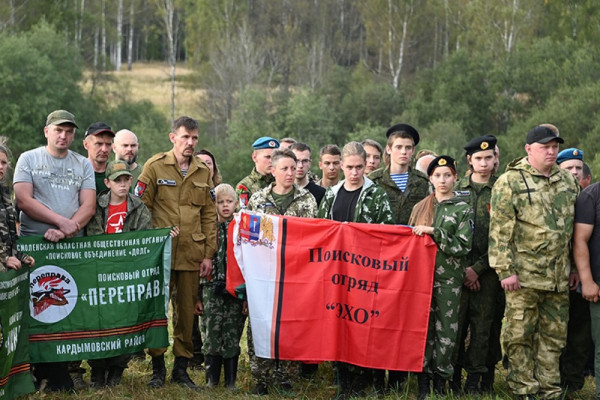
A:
(135, 377)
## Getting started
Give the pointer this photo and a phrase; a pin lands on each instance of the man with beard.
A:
(126, 149)
(175, 186)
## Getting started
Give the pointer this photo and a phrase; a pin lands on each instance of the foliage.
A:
(38, 73)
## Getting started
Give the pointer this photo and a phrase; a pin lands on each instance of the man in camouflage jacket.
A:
(531, 225)
(260, 176)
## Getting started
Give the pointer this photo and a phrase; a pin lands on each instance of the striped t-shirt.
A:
(400, 180)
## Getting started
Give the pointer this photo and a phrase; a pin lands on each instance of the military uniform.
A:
(250, 185)
(452, 225)
(8, 230)
(175, 199)
(138, 218)
(402, 203)
(373, 206)
(531, 225)
(265, 370)
(222, 320)
(478, 309)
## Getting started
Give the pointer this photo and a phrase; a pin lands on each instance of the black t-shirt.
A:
(345, 204)
(587, 211)
(317, 191)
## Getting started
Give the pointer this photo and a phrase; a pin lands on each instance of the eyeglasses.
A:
(307, 161)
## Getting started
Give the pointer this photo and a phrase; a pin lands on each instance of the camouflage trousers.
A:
(222, 323)
(270, 371)
(579, 342)
(477, 314)
(535, 334)
(442, 333)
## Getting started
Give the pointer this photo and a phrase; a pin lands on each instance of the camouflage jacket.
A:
(480, 202)
(138, 216)
(372, 207)
(303, 205)
(220, 257)
(402, 203)
(250, 185)
(8, 229)
(531, 225)
(453, 234)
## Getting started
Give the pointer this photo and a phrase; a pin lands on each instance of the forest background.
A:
(320, 71)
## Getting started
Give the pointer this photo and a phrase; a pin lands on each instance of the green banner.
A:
(98, 296)
(15, 378)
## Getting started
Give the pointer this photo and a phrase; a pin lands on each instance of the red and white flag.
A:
(321, 290)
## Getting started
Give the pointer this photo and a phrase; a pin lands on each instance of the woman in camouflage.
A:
(448, 220)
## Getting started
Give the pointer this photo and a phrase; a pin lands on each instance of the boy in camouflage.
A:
(404, 185)
(282, 197)
(478, 307)
(223, 315)
(116, 211)
(449, 221)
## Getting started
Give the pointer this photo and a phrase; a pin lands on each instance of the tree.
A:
(169, 11)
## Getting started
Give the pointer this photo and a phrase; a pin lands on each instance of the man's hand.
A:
(590, 290)
(68, 227)
(206, 267)
(470, 277)
(54, 235)
(574, 280)
(13, 263)
(199, 309)
(29, 260)
(511, 283)
(474, 287)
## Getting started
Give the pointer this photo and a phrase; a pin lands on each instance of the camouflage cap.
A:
(115, 169)
(60, 117)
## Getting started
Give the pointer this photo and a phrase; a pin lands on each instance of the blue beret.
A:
(569, 154)
(265, 142)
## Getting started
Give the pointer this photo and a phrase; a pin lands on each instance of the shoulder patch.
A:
(462, 193)
(140, 188)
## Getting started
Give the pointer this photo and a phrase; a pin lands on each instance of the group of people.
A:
(514, 245)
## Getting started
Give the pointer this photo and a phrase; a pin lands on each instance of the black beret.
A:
(406, 129)
(441, 161)
(481, 143)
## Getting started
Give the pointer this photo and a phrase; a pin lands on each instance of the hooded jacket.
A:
(531, 225)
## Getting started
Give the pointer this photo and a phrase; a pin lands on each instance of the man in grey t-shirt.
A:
(56, 193)
(54, 186)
